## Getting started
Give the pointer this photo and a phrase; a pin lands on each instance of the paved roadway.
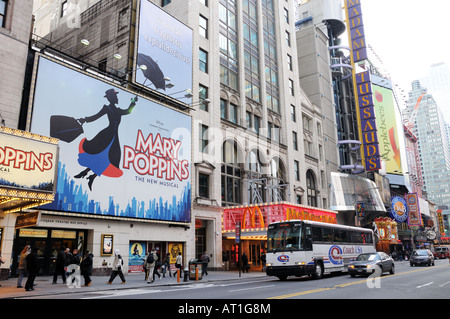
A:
(407, 283)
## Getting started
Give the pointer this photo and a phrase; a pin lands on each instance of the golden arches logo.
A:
(253, 213)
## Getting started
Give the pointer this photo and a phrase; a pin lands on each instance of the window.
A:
(203, 26)
(204, 2)
(233, 113)
(3, 7)
(223, 108)
(288, 38)
(231, 175)
(293, 113)
(165, 2)
(273, 132)
(64, 5)
(294, 140)
(286, 15)
(203, 95)
(311, 189)
(291, 87)
(289, 62)
(307, 123)
(229, 111)
(203, 60)
(203, 138)
(203, 185)
(297, 171)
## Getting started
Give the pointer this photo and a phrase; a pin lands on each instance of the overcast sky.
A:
(408, 36)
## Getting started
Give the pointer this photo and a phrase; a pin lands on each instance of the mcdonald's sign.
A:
(252, 213)
(257, 217)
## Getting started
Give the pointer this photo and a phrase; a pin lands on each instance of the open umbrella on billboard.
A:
(153, 71)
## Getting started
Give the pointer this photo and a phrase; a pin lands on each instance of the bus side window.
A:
(308, 239)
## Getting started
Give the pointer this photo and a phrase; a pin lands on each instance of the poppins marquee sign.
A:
(27, 161)
(363, 88)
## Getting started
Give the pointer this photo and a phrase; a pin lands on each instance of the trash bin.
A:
(193, 266)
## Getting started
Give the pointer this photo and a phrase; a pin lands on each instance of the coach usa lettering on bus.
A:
(28, 161)
(156, 156)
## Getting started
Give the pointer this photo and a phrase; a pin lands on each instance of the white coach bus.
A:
(302, 247)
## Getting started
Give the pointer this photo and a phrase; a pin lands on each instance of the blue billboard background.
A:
(148, 162)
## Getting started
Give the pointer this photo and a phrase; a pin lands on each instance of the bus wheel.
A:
(282, 278)
(318, 270)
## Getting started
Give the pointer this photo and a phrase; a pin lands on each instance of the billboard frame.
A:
(93, 75)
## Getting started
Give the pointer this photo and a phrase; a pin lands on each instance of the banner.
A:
(120, 154)
(164, 45)
(387, 129)
(415, 218)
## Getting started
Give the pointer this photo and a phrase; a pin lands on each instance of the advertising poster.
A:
(399, 209)
(164, 46)
(120, 154)
(27, 164)
(174, 250)
(137, 257)
(415, 218)
(387, 129)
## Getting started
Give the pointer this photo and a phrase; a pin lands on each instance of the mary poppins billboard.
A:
(120, 154)
(164, 53)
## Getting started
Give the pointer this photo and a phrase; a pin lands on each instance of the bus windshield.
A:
(284, 237)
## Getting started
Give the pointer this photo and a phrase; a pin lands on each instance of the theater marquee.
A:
(28, 166)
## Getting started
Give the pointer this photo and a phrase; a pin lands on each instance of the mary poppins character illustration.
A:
(102, 154)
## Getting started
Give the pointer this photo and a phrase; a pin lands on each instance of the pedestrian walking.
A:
(179, 262)
(245, 265)
(151, 263)
(32, 269)
(205, 260)
(166, 265)
(117, 268)
(60, 265)
(73, 262)
(145, 265)
(23, 264)
(86, 267)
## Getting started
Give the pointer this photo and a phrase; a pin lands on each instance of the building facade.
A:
(256, 136)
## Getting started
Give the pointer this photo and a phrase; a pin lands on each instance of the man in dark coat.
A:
(32, 268)
(86, 268)
(60, 264)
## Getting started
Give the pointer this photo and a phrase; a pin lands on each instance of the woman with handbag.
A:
(117, 268)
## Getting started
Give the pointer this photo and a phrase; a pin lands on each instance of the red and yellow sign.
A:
(257, 217)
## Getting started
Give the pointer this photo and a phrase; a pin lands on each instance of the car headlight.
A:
(351, 266)
(269, 264)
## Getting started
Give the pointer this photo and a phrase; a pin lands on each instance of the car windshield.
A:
(367, 257)
(420, 253)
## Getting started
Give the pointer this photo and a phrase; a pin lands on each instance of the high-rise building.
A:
(430, 130)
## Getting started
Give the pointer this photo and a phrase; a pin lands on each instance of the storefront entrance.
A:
(48, 242)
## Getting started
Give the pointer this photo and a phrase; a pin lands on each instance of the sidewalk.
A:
(46, 289)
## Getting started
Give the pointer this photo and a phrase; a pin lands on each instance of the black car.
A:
(369, 263)
(422, 257)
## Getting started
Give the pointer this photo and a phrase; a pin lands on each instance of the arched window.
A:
(311, 188)
(231, 175)
(256, 186)
(277, 180)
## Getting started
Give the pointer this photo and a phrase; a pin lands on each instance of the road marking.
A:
(430, 283)
(351, 283)
(250, 288)
(448, 282)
